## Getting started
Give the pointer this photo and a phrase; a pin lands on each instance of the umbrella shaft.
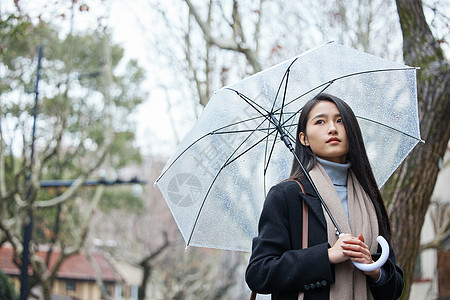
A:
(283, 136)
(317, 192)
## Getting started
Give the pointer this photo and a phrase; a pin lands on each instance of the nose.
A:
(332, 129)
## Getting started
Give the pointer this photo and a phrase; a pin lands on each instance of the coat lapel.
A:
(314, 205)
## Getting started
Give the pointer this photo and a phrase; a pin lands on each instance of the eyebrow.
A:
(324, 115)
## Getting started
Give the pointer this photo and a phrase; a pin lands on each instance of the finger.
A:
(352, 238)
(357, 248)
(358, 256)
(361, 237)
(354, 241)
(357, 251)
(345, 237)
(361, 260)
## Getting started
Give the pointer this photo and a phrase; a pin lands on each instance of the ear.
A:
(303, 139)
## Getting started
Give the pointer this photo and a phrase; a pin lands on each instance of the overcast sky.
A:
(127, 20)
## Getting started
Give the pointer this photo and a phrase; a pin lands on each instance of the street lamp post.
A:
(29, 225)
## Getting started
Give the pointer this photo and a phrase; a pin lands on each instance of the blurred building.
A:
(77, 277)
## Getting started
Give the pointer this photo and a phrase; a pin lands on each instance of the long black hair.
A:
(357, 156)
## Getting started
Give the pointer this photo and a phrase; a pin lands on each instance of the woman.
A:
(330, 146)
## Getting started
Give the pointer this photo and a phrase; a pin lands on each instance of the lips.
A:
(333, 139)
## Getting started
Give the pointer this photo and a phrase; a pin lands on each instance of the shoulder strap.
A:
(305, 219)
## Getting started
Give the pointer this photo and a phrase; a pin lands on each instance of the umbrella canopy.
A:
(216, 182)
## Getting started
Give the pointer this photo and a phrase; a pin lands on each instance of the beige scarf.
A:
(350, 282)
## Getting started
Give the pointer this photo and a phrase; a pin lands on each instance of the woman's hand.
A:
(350, 247)
(336, 253)
(367, 259)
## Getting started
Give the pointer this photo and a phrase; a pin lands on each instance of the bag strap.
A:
(304, 234)
(301, 295)
(305, 220)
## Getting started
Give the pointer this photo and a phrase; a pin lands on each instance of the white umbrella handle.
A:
(380, 261)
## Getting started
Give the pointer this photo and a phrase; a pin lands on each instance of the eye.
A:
(339, 120)
(319, 122)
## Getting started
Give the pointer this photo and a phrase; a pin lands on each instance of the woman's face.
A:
(325, 133)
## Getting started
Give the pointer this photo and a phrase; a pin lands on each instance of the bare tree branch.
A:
(437, 242)
(79, 181)
(188, 54)
(227, 44)
(256, 36)
(98, 277)
(146, 265)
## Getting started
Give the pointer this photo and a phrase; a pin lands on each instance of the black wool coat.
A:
(278, 264)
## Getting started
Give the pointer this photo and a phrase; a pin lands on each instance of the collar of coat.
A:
(313, 202)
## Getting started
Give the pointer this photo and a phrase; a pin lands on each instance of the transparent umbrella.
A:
(216, 182)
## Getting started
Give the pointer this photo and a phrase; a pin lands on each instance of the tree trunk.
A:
(443, 271)
(46, 290)
(147, 270)
(409, 190)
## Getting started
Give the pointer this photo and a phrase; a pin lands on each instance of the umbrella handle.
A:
(380, 261)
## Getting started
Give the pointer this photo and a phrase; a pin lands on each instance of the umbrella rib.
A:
(250, 102)
(248, 149)
(329, 82)
(294, 114)
(363, 118)
(264, 138)
(390, 127)
(228, 162)
(286, 75)
(267, 158)
(267, 115)
(241, 131)
(254, 105)
(216, 131)
(283, 132)
(288, 71)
